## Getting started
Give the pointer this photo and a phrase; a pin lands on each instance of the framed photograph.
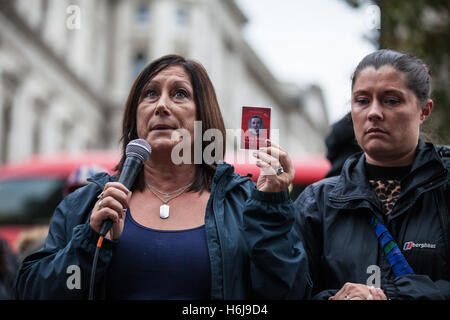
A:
(255, 127)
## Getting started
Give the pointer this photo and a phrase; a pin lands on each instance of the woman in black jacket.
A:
(380, 230)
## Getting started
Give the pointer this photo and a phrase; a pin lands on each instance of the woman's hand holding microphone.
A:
(112, 204)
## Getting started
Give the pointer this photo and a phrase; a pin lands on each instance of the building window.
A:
(182, 16)
(39, 114)
(6, 129)
(139, 63)
(229, 44)
(10, 84)
(66, 130)
(181, 48)
(142, 14)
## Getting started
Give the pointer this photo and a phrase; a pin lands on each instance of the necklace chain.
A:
(168, 195)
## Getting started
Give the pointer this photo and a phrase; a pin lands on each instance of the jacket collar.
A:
(225, 174)
(353, 183)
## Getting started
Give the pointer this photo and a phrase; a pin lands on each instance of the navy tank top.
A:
(159, 264)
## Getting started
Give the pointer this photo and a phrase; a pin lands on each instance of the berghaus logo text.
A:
(410, 245)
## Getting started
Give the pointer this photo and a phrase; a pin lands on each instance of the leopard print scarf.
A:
(386, 183)
(387, 191)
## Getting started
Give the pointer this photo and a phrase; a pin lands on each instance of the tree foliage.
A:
(421, 28)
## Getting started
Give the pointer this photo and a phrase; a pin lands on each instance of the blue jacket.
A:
(334, 219)
(254, 250)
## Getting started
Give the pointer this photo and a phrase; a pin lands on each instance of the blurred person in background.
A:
(8, 269)
(223, 237)
(341, 144)
(80, 177)
(31, 240)
(380, 230)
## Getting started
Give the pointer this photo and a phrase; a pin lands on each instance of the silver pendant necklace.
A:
(164, 209)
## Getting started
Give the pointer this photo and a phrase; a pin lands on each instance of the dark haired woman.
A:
(223, 237)
(380, 230)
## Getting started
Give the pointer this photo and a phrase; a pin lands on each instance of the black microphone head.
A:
(138, 148)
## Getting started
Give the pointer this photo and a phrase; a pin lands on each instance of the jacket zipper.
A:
(219, 239)
(347, 199)
(214, 208)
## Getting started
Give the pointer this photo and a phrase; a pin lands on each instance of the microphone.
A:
(137, 152)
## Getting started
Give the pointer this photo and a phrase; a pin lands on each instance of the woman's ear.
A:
(426, 110)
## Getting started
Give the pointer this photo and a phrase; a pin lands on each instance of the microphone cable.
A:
(94, 267)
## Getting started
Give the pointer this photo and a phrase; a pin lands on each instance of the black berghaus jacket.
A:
(334, 216)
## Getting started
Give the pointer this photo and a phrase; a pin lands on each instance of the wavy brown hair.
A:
(207, 109)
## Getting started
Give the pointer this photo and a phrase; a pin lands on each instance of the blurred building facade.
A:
(66, 67)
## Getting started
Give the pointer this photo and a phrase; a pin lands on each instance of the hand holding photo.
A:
(255, 127)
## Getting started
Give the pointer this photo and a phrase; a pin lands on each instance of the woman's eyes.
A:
(361, 100)
(392, 101)
(178, 94)
(181, 94)
(386, 101)
(150, 94)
